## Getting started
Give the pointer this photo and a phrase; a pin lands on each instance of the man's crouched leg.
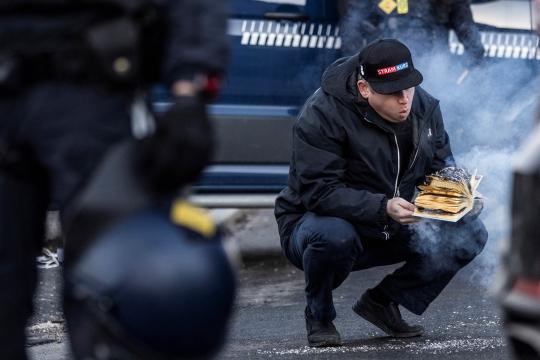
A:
(320, 333)
(325, 248)
(433, 253)
(387, 318)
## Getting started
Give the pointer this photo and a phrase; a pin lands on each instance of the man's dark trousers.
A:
(327, 249)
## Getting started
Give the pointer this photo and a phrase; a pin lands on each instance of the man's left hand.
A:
(402, 211)
(478, 205)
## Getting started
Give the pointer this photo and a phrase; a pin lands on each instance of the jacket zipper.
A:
(413, 160)
(406, 171)
(396, 190)
(396, 187)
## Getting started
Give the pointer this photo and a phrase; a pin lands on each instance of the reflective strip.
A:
(502, 45)
(285, 34)
(197, 219)
(326, 36)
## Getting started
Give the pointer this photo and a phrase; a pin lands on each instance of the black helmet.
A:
(149, 289)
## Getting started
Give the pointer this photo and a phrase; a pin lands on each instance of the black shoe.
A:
(387, 318)
(320, 333)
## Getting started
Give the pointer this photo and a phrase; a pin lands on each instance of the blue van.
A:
(279, 51)
(280, 48)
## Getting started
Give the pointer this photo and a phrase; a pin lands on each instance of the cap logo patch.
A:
(393, 69)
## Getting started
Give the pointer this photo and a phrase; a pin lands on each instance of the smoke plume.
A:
(488, 115)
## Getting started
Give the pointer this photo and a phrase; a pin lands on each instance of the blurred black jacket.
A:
(193, 38)
(422, 25)
(198, 40)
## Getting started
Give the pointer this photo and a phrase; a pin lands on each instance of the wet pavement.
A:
(463, 323)
(46, 331)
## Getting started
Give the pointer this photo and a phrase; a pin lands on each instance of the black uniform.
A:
(68, 79)
(422, 25)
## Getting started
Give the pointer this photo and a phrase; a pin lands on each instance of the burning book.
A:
(447, 195)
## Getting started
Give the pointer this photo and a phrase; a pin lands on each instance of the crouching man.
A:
(360, 145)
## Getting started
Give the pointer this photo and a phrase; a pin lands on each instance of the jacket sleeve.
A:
(466, 30)
(443, 153)
(197, 39)
(318, 155)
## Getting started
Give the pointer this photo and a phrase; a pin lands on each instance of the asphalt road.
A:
(46, 331)
(463, 323)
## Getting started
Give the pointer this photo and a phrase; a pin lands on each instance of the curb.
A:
(233, 221)
(227, 218)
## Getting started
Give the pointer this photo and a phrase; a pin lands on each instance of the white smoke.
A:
(488, 109)
(496, 187)
(487, 119)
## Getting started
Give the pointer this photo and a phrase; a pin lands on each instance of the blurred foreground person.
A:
(361, 144)
(421, 24)
(145, 277)
(518, 281)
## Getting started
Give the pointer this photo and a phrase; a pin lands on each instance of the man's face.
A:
(394, 107)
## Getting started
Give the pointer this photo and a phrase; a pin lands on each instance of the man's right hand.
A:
(179, 149)
(401, 210)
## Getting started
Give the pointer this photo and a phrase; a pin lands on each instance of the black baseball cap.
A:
(386, 64)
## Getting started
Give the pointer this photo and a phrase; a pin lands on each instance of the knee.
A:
(336, 237)
(474, 239)
(479, 236)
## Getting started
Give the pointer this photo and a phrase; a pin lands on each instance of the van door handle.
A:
(286, 16)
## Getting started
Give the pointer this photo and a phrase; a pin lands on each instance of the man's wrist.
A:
(206, 86)
(383, 212)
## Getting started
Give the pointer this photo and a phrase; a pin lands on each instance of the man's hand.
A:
(184, 88)
(401, 211)
(179, 149)
(478, 205)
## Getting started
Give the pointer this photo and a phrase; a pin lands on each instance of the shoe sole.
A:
(378, 323)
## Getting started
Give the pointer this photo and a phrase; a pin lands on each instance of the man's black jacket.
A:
(345, 158)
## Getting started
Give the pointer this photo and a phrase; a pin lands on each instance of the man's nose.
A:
(402, 97)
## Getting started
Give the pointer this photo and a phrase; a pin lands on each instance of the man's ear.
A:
(363, 88)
